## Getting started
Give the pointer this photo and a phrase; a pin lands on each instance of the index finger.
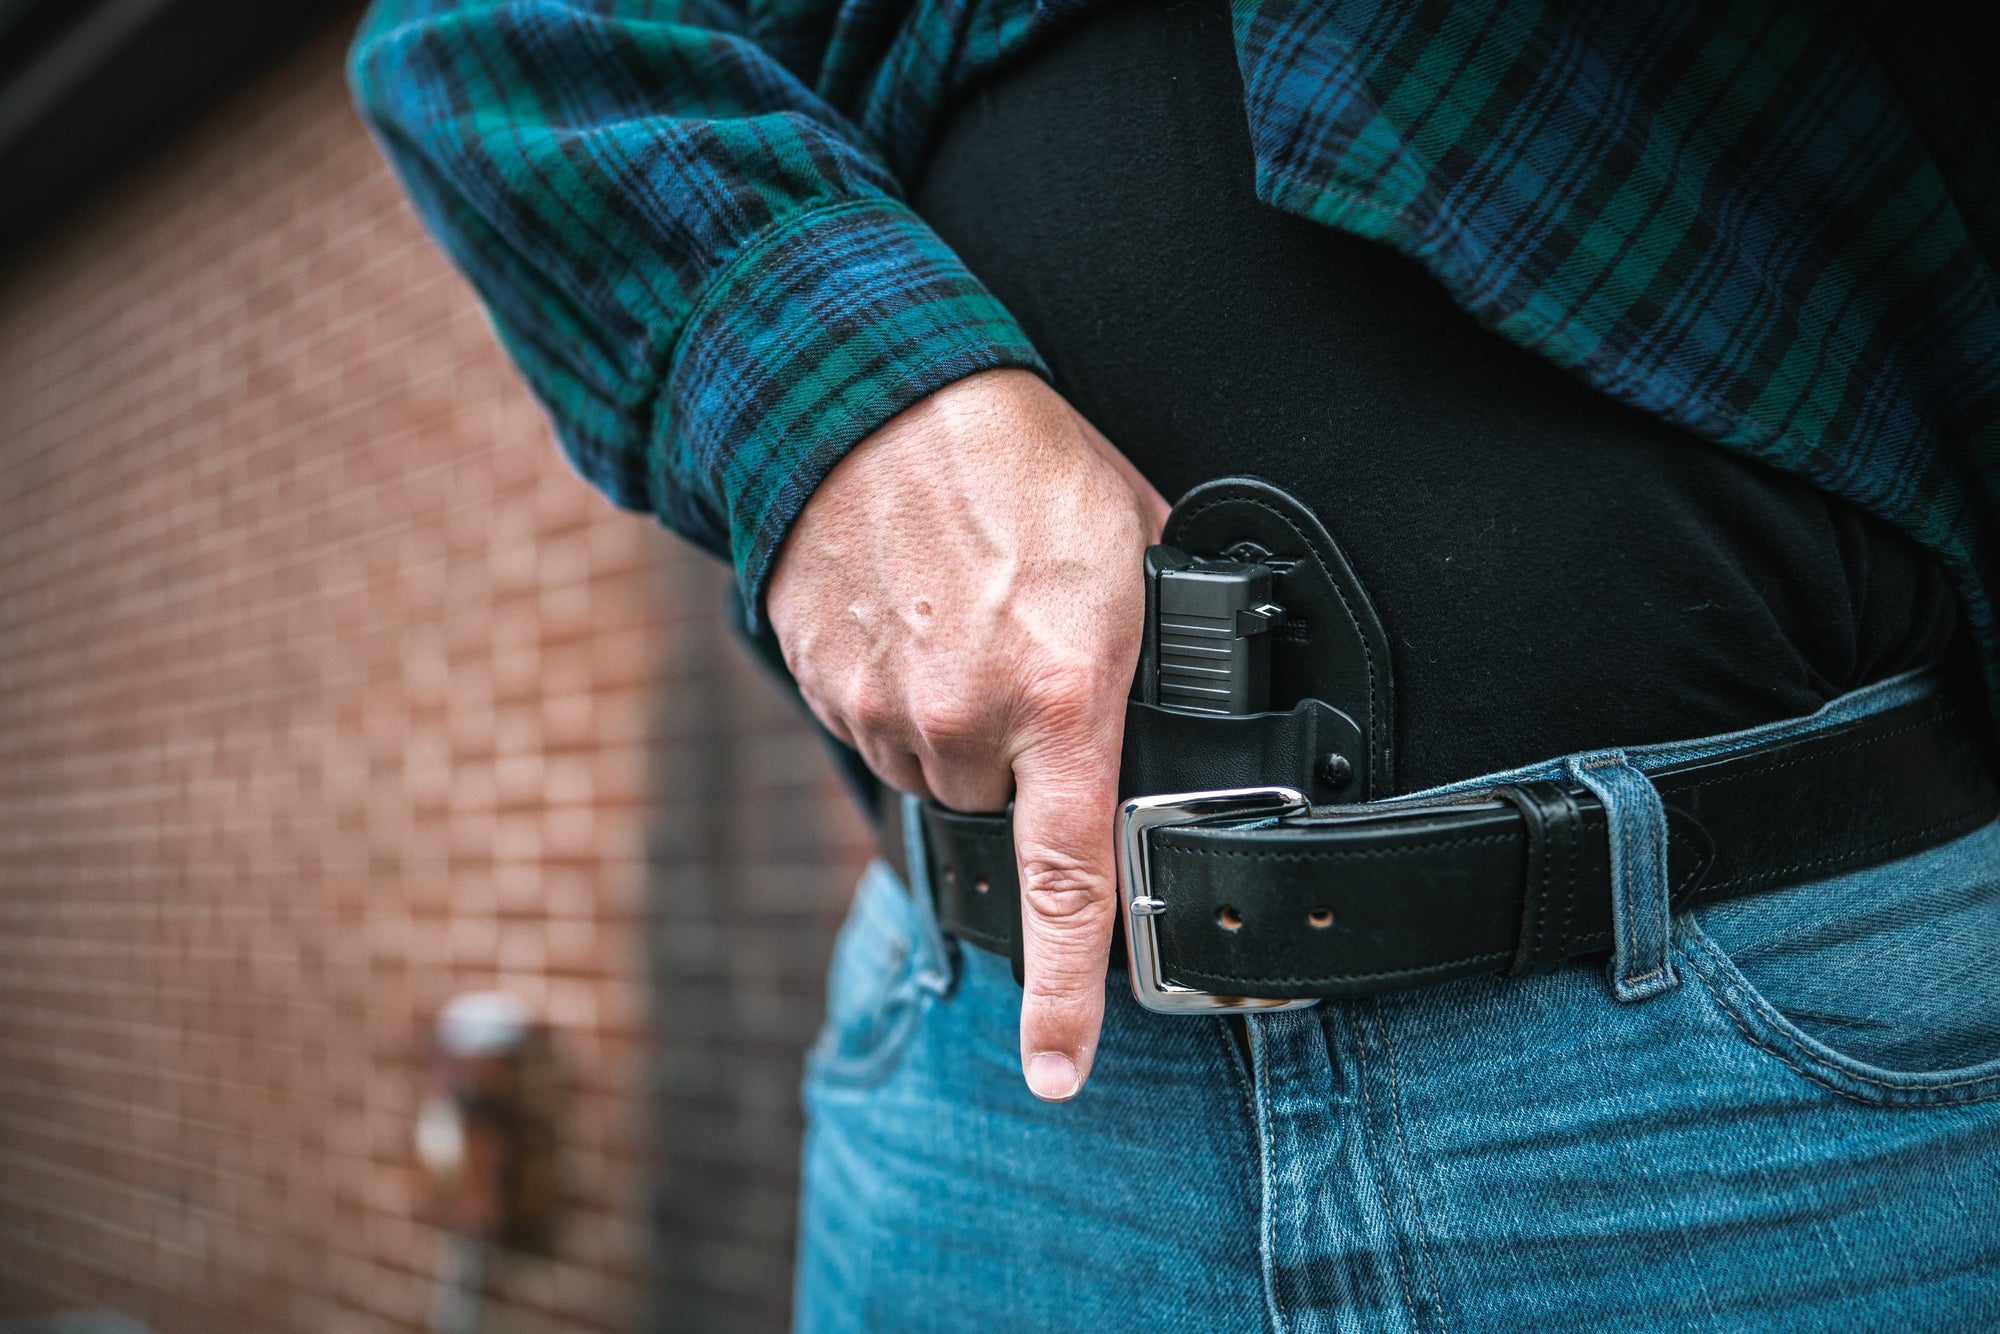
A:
(1065, 802)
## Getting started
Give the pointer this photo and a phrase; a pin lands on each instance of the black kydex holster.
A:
(1263, 665)
(1263, 662)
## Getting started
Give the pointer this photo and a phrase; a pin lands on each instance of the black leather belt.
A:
(1362, 899)
(1291, 884)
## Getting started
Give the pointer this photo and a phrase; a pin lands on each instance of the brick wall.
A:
(327, 691)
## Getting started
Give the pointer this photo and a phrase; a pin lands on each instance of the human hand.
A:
(961, 601)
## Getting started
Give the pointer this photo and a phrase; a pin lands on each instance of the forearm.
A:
(706, 278)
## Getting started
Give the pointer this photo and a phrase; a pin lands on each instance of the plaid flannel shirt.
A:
(1769, 222)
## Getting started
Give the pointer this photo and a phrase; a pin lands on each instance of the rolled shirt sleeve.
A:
(709, 282)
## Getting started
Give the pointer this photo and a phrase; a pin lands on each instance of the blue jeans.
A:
(1779, 1112)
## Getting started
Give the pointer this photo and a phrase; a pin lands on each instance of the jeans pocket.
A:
(875, 985)
(1881, 984)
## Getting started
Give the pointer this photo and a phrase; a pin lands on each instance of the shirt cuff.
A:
(816, 334)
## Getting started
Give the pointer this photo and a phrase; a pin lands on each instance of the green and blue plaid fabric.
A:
(1775, 224)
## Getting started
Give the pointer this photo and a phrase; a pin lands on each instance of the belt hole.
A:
(1228, 918)
(1320, 918)
(951, 875)
(982, 884)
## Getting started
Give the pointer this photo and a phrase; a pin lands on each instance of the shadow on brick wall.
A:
(750, 867)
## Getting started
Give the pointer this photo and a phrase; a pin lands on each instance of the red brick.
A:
(327, 689)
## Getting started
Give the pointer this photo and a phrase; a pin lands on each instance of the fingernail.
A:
(1052, 1076)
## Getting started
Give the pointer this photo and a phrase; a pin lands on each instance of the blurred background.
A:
(327, 694)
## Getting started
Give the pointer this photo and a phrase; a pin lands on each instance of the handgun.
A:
(1208, 641)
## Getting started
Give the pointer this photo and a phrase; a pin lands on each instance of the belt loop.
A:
(934, 962)
(1636, 825)
(1550, 820)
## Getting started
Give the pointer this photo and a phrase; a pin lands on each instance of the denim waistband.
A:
(1636, 818)
(1866, 702)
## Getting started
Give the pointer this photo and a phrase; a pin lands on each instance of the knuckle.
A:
(1063, 890)
(1063, 692)
(949, 725)
(964, 790)
(889, 764)
(1058, 683)
(871, 712)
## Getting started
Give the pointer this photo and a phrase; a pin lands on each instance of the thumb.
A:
(1065, 803)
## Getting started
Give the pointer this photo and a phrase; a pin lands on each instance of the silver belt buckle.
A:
(1137, 818)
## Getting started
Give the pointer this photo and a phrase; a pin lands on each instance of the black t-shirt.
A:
(1557, 572)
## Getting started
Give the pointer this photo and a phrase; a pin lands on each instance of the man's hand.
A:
(961, 601)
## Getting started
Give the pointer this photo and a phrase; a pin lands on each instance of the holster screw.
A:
(1335, 771)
